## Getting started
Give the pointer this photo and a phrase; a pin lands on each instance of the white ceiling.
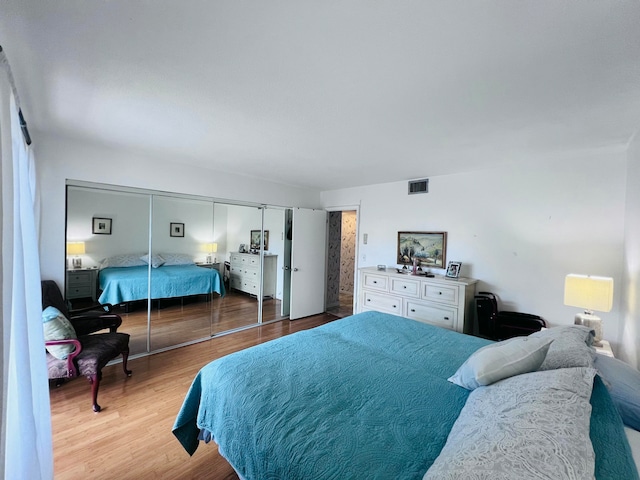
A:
(330, 94)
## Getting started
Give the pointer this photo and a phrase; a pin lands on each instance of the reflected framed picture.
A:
(255, 240)
(101, 226)
(453, 269)
(176, 229)
(428, 248)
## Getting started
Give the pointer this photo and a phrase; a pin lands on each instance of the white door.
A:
(308, 251)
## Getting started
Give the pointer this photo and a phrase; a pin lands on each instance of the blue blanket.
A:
(361, 397)
(126, 284)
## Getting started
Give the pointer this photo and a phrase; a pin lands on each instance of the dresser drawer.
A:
(405, 287)
(80, 291)
(73, 278)
(382, 303)
(441, 316)
(379, 282)
(440, 293)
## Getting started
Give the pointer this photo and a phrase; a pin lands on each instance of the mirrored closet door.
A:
(153, 254)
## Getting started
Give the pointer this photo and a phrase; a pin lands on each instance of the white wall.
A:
(518, 229)
(629, 330)
(62, 159)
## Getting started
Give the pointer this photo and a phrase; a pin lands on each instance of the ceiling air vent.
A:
(418, 186)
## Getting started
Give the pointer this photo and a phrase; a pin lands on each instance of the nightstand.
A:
(605, 349)
(212, 266)
(81, 283)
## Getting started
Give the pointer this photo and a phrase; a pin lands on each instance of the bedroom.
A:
(567, 211)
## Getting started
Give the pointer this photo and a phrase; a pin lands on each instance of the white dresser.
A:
(441, 301)
(245, 273)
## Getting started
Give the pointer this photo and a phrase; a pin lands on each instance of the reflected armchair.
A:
(84, 352)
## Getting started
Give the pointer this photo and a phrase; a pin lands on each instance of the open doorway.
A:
(341, 262)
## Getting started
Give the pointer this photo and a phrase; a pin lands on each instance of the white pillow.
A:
(156, 260)
(177, 259)
(501, 360)
(125, 260)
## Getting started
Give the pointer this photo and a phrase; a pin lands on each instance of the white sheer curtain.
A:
(26, 423)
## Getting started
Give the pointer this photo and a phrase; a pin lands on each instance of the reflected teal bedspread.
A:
(127, 284)
(362, 397)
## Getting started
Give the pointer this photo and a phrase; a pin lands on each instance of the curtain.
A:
(26, 435)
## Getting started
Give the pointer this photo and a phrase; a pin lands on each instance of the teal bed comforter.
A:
(362, 397)
(127, 284)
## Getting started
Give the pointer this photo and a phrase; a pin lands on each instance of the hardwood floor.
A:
(182, 320)
(131, 438)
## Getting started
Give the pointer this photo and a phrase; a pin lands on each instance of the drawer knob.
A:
(446, 318)
(375, 281)
(404, 287)
(413, 310)
(368, 299)
(439, 293)
(395, 306)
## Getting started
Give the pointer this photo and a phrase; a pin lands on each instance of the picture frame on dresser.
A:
(453, 270)
(255, 240)
(428, 248)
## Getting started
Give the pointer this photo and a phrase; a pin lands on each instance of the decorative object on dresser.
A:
(436, 300)
(81, 283)
(453, 269)
(245, 273)
(76, 248)
(591, 293)
(427, 248)
(176, 229)
(101, 226)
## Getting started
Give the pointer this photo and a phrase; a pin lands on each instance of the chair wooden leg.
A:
(94, 380)
(125, 358)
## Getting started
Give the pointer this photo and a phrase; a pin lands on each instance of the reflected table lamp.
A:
(76, 248)
(211, 248)
(591, 293)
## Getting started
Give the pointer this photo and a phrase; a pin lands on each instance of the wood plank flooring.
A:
(131, 438)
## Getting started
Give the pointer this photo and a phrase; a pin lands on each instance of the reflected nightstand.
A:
(213, 266)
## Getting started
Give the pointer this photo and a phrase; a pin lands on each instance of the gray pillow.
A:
(528, 427)
(571, 347)
(501, 360)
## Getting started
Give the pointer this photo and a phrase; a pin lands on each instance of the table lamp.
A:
(591, 293)
(211, 248)
(76, 248)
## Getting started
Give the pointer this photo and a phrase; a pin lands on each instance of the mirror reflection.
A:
(177, 269)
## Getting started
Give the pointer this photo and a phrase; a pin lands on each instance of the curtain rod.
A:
(23, 124)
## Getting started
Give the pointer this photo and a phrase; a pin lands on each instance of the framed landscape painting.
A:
(428, 248)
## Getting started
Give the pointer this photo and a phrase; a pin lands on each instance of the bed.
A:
(371, 396)
(122, 282)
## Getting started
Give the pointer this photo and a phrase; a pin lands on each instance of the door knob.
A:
(295, 269)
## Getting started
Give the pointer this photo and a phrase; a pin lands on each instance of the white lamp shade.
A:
(588, 292)
(75, 248)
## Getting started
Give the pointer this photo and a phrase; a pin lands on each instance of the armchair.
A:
(92, 351)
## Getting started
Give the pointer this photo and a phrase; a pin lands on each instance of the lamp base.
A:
(592, 321)
(77, 263)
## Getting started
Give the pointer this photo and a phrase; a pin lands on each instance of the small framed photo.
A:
(176, 229)
(101, 226)
(453, 270)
